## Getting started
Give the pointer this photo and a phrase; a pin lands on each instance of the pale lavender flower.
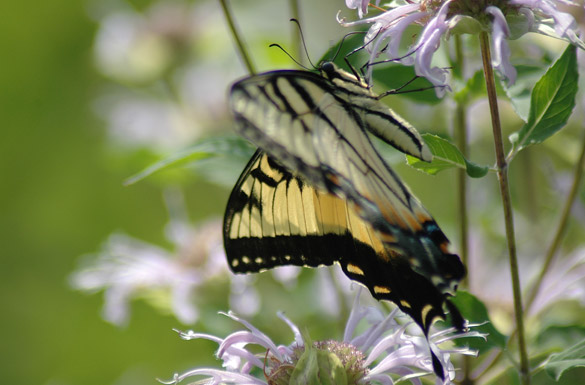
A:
(135, 120)
(441, 18)
(383, 351)
(360, 5)
(490, 279)
(128, 268)
(138, 47)
(170, 90)
(564, 281)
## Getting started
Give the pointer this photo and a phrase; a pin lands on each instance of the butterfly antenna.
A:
(371, 64)
(289, 55)
(343, 40)
(304, 44)
(345, 58)
(399, 90)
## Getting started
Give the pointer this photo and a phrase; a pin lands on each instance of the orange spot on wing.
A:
(387, 238)
(333, 178)
(391, 215)
(444, 247)
(413, 222)
(423, 217)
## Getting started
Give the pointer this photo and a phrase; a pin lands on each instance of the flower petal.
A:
(501, 54)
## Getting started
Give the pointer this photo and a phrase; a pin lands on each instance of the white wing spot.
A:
(246, 260)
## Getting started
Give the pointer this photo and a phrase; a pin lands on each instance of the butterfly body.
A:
(317, 192)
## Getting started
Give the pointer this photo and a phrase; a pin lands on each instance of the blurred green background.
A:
(62, 194)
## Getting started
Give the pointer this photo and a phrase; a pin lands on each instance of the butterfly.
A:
(317, 192)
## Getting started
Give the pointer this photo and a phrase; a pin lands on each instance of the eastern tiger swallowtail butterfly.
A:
(317, 192)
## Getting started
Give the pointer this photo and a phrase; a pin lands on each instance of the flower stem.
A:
(577, 176)
(239, 43)
(460, 128)
(296, 36)
(461, 135)
(506, 203)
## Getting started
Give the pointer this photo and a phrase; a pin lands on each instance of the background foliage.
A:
(63, 170)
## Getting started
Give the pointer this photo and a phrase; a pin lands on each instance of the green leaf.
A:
(520, 92)
(552, 102)
(204, 149)
(559, 363)
(445, 156)
(476, 313)
(554, 335)
(474, 170)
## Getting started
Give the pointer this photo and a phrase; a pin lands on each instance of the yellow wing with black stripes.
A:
(317, 192)
(273, 219)
(317, 125)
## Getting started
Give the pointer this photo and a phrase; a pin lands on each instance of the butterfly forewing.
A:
(310, 126)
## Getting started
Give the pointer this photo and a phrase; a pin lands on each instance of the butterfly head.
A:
(333, 73)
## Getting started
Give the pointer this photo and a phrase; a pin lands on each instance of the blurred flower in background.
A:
(169, 71)
(564, 281)
(489, 279)
(127, 268)
(384, 346)
(176, 281)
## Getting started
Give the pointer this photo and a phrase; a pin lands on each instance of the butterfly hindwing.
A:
(274, 219)
(304, 226)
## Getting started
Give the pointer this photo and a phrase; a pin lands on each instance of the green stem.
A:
(461, 137)
(577, 176)
(296, 36)
(239, 43)
(506, 203)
